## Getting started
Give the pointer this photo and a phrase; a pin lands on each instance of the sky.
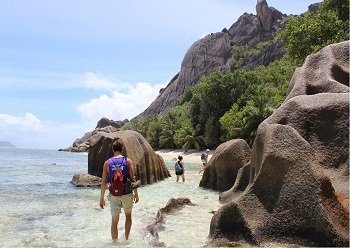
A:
(65, 64)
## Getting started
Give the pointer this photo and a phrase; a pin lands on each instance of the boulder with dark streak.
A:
(149, 167)
(299, 168)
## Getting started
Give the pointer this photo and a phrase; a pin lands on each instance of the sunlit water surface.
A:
(40, 208)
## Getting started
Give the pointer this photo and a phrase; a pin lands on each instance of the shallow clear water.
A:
(40, 208)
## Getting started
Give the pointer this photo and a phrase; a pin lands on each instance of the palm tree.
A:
(166, 138)
(189, 138)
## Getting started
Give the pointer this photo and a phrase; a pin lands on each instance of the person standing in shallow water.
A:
(179, 172)
(205, 161)
(124, 201)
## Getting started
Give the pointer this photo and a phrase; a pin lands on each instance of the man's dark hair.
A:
(118, 145)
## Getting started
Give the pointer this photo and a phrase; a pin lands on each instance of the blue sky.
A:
(65, 64)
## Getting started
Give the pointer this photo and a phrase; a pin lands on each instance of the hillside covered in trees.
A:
(231, 104)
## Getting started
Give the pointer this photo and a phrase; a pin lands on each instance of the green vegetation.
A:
(232, 105)
(242, 54)
(308, 34)
(219, 108)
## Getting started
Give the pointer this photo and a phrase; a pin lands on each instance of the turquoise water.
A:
(40, 208)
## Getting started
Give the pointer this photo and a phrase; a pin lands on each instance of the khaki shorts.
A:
(118, 202)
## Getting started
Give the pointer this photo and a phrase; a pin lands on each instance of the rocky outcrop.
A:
(264, 14)
(149, 167)
(172, 206)
(299, 174)
(249, 30)
(274, 51)
(105, 122)
(214, 52)
(205, 56)
(86, 180)
(241, 183)
(224, 165)
(103, 125)
(245, 30)
(314, 7)
(323, 72)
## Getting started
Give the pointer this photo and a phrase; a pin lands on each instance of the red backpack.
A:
(117, 184)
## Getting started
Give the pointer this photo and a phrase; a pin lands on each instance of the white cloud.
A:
(118, 105)
(94, 81)
(28, 123)
(29, 132)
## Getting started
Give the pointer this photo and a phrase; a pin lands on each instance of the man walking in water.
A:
(205, 160)
(125, 201)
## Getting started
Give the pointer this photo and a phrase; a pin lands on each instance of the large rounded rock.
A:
(325, 71)
(223, 166)
(299, 173)
(149, 167)
(289, 201)
(323, 121)
(86, 180)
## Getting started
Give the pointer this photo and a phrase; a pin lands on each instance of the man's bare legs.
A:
(114, 227)
(128, 222)
(203, 169)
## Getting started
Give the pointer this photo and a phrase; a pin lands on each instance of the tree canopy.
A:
(309, 33)
(224, 106)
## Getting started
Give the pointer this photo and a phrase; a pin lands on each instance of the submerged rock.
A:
(172, 206)
(86, 180)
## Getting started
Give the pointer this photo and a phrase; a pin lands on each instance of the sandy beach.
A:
(191, 156)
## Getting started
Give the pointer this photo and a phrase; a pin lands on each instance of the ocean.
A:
(39, 207)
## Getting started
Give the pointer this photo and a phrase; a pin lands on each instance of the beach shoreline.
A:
(190, 156)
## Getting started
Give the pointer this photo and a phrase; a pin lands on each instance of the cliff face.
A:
(211, 53)
(214, 52)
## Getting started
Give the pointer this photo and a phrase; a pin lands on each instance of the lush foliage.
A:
(266, 91)
(232, 105)
(241, 55)
(219, 108)
(308, 34)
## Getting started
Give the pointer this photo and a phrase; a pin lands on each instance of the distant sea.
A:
(41, 208)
